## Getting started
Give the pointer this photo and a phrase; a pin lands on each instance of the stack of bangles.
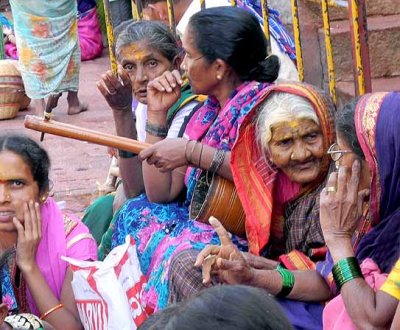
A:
(345, 270)
(287, 281)
(51, 310)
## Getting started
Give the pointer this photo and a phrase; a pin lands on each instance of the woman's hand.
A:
(163, 92)
(29, 236)
(166, 155)
(341, 205)
(116, 91)
(225, 261)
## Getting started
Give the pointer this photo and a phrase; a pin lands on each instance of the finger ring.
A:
(330, 189)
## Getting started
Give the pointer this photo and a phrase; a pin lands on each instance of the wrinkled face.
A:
(296, 148)
(201, 74)
(17, 186)
(142, 63)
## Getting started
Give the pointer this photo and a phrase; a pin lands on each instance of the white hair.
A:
(281, 107)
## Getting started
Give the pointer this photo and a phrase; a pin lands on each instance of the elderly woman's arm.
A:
(232, 267)
(340, 215)
(119, 97)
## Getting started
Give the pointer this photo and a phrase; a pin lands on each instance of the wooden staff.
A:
(264, 6)
(83, 134)
(110, 36)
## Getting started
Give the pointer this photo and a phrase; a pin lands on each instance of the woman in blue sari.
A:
(235, 75)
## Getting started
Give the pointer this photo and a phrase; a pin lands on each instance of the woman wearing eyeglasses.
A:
(362, 237)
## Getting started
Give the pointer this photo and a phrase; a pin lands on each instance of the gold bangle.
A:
(51, 310)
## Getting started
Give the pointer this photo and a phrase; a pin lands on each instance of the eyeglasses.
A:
(336, 153)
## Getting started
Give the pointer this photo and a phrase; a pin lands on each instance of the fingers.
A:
(342, 180)
(146, 153)
(177, 76)
(126, 81)
(209, 250)
(27, 220)
(354, 180)
(332, 182)
(168, 81)
(208, 264)
(20, 228)
(110, 84)
(362, 197)
(221, 231)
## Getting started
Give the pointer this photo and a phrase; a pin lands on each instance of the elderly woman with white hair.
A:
(279, 164)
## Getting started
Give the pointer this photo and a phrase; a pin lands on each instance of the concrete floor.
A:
(76, 165)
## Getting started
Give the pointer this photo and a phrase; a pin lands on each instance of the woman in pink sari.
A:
(36, 235)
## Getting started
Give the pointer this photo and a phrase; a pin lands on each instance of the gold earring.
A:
(43, 198)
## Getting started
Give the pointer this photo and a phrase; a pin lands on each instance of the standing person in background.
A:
(281, 42)
(49, 55)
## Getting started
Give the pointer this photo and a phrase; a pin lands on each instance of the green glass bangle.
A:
(287, 281)
(345, 270)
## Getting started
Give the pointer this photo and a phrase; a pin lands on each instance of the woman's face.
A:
(17, 187)
(296, 148)
(201, 75)
(348, 159)
(143, 63)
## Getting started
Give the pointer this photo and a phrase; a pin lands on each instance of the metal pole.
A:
(2, 43)
(297, 39)
(110, 36)
(328, 49)
(139, 8)
(135, 14)
(359, 35)
(202, 4)
(264, 6)
(171, 16)
(233, 3)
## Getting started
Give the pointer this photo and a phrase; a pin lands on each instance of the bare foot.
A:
(39, 106)
(81, 107)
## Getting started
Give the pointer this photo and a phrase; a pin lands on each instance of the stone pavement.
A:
(76, 166)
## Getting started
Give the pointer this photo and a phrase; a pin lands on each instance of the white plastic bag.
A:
(109, 293)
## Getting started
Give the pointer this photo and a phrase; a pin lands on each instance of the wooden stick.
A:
(83, 134)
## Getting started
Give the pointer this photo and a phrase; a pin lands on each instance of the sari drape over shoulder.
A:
(163, 230)
(48, 48)
(62, 235)
(264, 190)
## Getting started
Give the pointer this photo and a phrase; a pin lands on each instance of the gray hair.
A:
(156, 34)
(281, 107)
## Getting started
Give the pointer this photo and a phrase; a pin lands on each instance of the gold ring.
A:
(330, 189)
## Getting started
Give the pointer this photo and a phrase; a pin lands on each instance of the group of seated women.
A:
(319, 190)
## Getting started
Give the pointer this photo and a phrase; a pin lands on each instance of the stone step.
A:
(374, 8)
(384, 46)
(345, 89)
